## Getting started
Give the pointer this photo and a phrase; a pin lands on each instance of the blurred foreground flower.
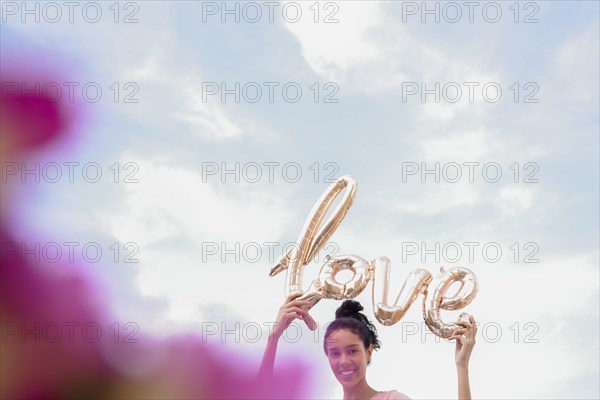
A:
(58, 340)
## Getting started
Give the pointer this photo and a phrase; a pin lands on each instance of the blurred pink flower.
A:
(58, 340)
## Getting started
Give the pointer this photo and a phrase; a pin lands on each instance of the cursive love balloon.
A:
(313, 237)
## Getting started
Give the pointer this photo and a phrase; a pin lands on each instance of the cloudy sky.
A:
(472, 130)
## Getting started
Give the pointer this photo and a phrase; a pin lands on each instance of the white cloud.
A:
(171, 208)
(444, 198)
(331, 48)
(458, 147)
(205, 118)
(516, 199)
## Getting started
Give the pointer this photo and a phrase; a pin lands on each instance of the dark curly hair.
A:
(348, 316)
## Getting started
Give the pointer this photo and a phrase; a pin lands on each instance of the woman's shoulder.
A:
(390, 395)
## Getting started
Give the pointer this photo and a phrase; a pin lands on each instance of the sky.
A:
(210, 129)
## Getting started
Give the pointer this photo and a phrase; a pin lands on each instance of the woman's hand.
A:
(465, 341)
(293, 308)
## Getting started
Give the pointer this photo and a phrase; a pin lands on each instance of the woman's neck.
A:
(361, 391)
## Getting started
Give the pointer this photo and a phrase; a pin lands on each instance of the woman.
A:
(349, 344)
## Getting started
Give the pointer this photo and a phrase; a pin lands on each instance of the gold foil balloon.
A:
(434, 300)
(333, 289)
(327, 286)
(315, 234)
(310, 241)
(416, 283)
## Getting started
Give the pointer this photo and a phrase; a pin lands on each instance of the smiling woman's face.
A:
(347, 357)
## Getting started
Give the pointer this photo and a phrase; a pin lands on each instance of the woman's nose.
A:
(344, 359)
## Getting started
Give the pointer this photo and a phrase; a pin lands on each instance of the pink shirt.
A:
(390, 395)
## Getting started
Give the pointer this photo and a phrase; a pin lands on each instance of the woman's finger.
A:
(295, 313)
(289, 307)
(292, 296)
(468, 327)
(297, 310)
(310, 322)
(299, 303)
(288, 317)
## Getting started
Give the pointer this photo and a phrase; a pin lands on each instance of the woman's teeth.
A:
(346, 373)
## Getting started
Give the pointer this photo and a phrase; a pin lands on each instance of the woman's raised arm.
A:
(293, 308)
(465, 341)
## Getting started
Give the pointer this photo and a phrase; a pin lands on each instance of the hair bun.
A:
(349, 309)
(349, 316)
